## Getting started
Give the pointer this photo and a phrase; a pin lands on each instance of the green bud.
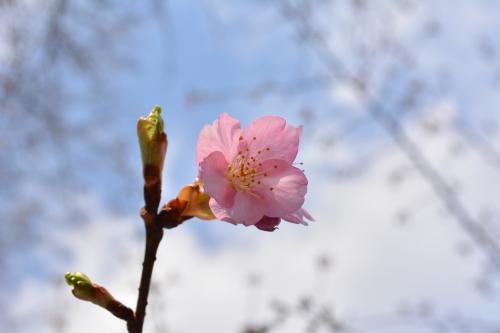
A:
(84, 289)
(78, 280)
(153, 143)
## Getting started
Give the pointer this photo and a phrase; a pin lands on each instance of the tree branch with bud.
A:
(246, 177)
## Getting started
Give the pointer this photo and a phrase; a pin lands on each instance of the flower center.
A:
(242, 173)
(246, 171)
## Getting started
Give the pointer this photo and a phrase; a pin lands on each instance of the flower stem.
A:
(154, 234)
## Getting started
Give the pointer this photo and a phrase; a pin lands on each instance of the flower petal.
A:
(300, 216)
(270, 138)
(213, 175)
(221, 136)
(246, 210)
(283, 188)
(268, 223)
(219, 212)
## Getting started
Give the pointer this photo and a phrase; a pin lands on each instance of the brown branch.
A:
(121, 311)
(154, 235)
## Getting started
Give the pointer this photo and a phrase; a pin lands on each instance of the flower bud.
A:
(153, 143)
(84, 289)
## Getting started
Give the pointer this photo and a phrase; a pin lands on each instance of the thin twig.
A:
(154, 234)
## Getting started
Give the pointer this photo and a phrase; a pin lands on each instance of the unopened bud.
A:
(153, 143)
(84, 289)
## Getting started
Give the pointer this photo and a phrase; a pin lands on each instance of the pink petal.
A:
(283, 188)
(270, 139)
(300, 216)
(219, 212)
(268, 223)
(221, 136)
(213, 175)
(246, 210)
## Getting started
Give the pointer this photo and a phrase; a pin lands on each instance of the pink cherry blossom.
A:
(249, 173)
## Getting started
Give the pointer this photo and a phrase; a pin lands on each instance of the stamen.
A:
(246, 171)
